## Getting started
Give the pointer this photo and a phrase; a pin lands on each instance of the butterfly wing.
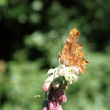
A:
(72, 54)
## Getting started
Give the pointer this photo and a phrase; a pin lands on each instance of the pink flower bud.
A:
(60, 108)
(55, 85)
(46, 87)
(54, 105)
(62, 99)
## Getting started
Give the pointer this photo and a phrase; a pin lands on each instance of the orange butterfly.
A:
(72, 54)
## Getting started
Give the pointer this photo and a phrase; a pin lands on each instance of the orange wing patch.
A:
(72, 54)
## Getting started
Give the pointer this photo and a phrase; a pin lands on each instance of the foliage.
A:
(29, 47)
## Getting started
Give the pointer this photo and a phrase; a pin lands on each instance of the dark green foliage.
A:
(28, 48)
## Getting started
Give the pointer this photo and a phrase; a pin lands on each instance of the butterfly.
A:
(72, 54)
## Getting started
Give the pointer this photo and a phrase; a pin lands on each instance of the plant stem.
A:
(45, 101)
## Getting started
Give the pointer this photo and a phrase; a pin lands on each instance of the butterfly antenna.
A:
(59, 62)
(59, 43)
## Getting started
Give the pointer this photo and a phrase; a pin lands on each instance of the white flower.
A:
(74, 76)
(49, 79)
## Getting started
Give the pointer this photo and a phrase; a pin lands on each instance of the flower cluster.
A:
(57, 81)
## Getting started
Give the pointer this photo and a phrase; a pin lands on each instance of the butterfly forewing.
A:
(72, 54)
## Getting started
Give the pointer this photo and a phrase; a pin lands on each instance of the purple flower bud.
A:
(58, 96)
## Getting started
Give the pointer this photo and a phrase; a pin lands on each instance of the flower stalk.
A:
(55, 85)
(45, 102)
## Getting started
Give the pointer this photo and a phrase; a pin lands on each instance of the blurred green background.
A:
(28, 48)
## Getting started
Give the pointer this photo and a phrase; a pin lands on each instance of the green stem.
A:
(45, 101)
(46, 95)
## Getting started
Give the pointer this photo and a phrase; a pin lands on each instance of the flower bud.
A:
(47, 87)
(55, 94)
(62, 99)
(54, 105)
(60, 108)
(55, 85)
